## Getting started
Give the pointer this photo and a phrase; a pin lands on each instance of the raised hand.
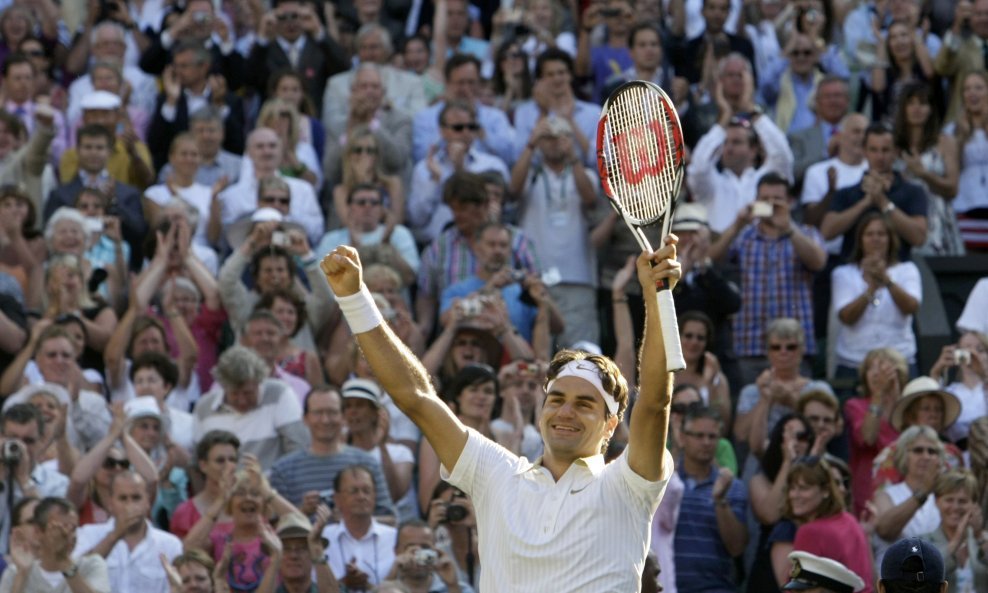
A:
(343, 270)
(659, 265)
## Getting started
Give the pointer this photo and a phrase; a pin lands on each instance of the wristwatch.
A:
(71, 572)
(888, 208)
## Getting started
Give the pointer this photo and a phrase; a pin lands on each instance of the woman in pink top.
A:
(882, 375)
(814, 502)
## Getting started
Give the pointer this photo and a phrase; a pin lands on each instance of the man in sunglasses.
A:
(367, 227)
(459, 129)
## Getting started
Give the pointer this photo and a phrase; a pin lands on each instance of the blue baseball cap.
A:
(912, 560)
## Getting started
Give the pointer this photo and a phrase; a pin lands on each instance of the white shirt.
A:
(974, 405)
(816, 185)
(240, 200)
(138, 570)
(882, 324)
(590, 530)
(719, 189)
(197, 194)
(374, 553)
(975, 314)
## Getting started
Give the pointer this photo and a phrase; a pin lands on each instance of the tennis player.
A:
(567, 522)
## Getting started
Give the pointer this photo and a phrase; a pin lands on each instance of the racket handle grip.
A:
(670, 332)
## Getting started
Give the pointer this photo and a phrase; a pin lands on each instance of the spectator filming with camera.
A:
(524, 295)
(420, 566)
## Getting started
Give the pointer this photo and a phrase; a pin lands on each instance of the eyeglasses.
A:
(787, 347)
(470, 343)
(363, 150)
(821, 419)
(294, 549)
(802, 436)
(34, 53)
(472, 126)
(703, 436)
(284, 201)
(925, 450)
(366, 202)
(288, 16)
(801, 53)
(111, 463)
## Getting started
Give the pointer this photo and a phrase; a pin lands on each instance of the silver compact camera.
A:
(962, 356)
(426, 557)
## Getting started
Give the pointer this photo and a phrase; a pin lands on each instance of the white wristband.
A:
(360, 311)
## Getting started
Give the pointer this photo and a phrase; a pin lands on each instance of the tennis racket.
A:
(640, 157)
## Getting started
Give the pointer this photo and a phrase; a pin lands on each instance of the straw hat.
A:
(918, 388)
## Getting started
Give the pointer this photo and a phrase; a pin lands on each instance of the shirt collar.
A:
(594, 464)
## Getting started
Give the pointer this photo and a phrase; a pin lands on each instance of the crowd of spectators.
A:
(184, 410)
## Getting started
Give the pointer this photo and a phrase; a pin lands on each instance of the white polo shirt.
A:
(138, 570)
(373, 554)
(587, 532)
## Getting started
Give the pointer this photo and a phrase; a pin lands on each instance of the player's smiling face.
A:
(573, 422)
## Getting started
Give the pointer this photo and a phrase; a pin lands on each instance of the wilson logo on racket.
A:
(641, 152)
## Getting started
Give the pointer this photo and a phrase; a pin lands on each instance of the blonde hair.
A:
(275, 108)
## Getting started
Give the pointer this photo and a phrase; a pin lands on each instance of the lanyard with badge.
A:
(558, 217)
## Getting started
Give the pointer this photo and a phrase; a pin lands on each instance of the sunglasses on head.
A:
(473, 127)
(111, 463)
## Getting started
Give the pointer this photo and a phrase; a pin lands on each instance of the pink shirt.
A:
(839, 538)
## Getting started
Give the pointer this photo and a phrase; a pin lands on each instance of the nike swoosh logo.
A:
(575, 491)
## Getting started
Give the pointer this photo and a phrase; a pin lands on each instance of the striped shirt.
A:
(302, 471)
(774, 283)
(449, 259)
(702, 561)
(269, 431)
(588, 532)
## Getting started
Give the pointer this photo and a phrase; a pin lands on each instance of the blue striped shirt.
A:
(702, 562)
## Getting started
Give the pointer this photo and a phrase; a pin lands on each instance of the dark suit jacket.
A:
(156, 57)
(808, 147)
(161, 131)
(127, 199)
(319, 60)
(687, 57)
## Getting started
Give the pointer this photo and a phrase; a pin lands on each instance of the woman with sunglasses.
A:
(875, 297)
(702, 367)
(512, 78)
(789, 441)
(909, 509)
(363, 163)
(299, 159)
(813, 502)
(89, 484)
(960, 536)
(902, 58)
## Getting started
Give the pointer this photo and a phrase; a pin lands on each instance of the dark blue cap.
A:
(912, 560)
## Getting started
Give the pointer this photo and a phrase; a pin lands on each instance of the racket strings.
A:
(644, 176)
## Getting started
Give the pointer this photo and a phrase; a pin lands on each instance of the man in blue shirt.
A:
(711, 529)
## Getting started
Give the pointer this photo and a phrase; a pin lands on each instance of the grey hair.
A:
(731, 57)
(190, 211)
(64, 214)
(366, 66)
(785, 327)
(905, 443)
(107, 25)
(208, 113)
(238, 366)
(371, 28)
(183, 283)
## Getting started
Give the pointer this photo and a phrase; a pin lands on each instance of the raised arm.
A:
(400, 373)
(650, 417)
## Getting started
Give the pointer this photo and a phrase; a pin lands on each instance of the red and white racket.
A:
(640, 156)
